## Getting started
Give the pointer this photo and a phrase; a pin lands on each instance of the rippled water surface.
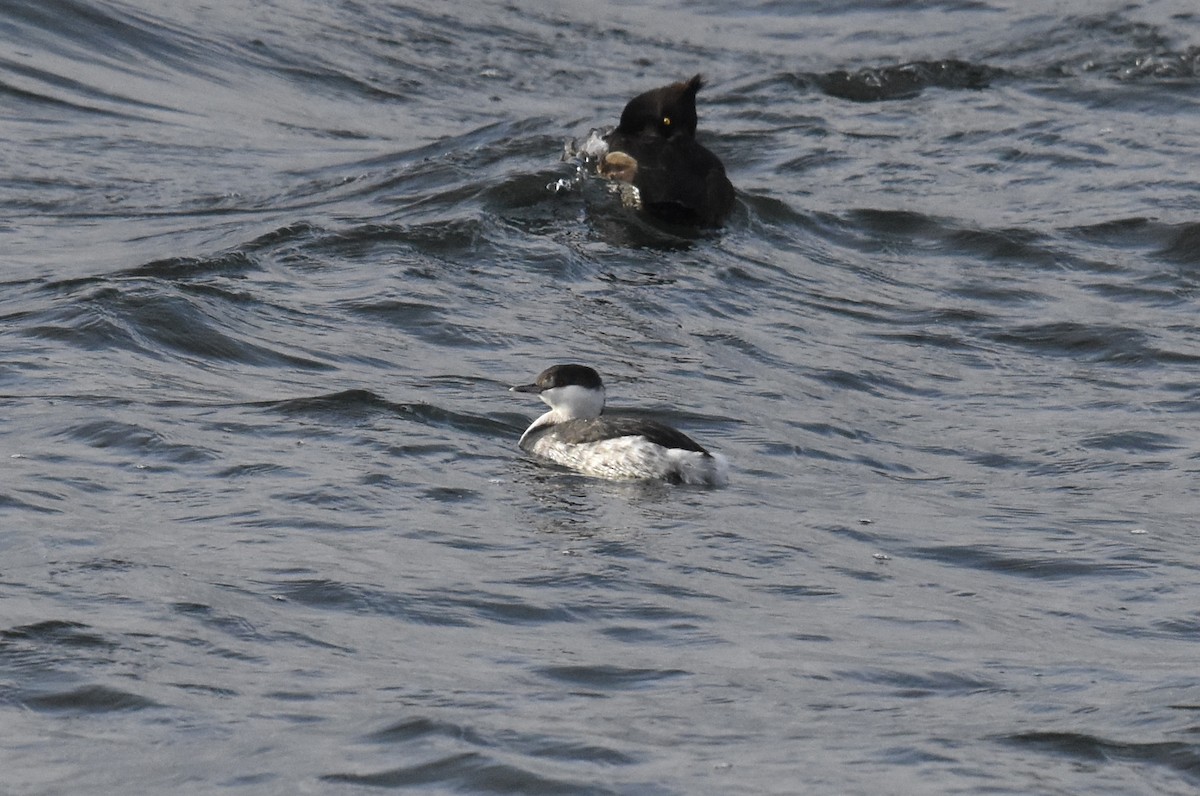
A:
(269, 268)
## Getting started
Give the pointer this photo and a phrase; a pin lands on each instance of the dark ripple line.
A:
(123, 42)
(915, 685)
(129, 315)
(12, 502)
(993, 560)
(904, 81)
(1133, 442)
(423, 728)
(58, 632)
(34, 98)
(412, 729)
(1183, 246)
(608, 677)
(73, 86)
(235, 263)
(89, 699)
(329, 594)
(298, 67)
(1096, 342)
(1175, 755)
(357, 404)
(469, 771)
(126, 436)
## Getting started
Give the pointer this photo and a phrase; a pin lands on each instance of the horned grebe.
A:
(575, 434)
(655, 149)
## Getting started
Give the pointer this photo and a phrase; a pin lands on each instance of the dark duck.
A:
(655, 149)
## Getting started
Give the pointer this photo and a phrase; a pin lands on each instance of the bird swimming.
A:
(576, 434)
(654, 149)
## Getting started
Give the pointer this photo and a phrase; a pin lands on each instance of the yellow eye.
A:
(666, 121)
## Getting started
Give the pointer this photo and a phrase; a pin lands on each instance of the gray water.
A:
(269, 268)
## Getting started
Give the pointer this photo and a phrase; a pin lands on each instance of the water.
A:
(270, 267)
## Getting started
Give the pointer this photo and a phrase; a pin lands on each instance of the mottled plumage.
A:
(575, 434)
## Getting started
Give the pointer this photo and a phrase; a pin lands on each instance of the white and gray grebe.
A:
(575, 434)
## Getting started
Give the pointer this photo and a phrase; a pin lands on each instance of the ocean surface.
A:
(270, 267)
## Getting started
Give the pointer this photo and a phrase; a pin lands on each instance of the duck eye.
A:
(666, 121)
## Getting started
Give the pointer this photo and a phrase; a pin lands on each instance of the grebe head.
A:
(663, 112)
(573, 392)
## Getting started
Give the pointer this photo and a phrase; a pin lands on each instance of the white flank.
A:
(636, 458)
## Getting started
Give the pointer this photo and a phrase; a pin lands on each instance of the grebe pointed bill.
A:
(576, 434)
